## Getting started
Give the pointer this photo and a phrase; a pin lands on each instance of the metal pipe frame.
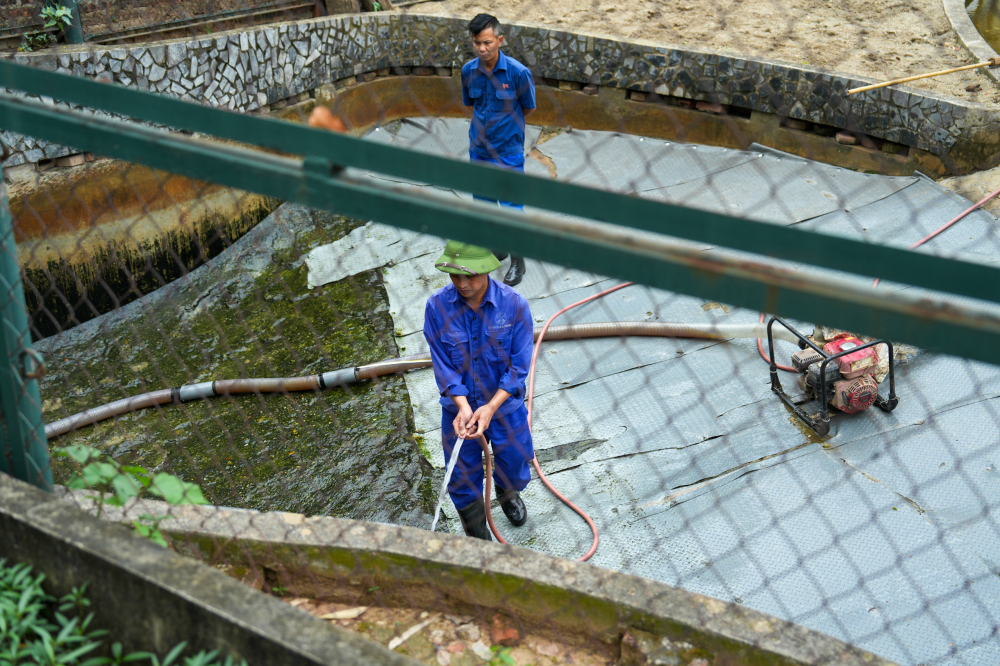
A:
(959, 277)
(24, 452)
(659, 261)
(820, 424)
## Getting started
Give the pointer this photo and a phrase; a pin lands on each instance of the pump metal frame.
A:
(820, 423)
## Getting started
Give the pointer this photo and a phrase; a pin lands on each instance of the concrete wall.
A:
(364, 563)
(150, 598)
(248, 70)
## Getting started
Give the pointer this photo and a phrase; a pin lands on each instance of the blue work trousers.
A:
(511, 163)
(512, 452)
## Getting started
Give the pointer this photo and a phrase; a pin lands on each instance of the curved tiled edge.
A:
(341, 559)
(285, 60)
(969, 36)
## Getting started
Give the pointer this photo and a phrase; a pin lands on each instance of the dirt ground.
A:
(440, 639)
(881, 39)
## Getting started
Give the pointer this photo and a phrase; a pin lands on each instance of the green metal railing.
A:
(24, 453)
(603, 241)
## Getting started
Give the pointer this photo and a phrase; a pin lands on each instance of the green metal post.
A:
(73, 31)
(24, 452)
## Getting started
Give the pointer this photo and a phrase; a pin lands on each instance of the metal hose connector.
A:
(344, 376)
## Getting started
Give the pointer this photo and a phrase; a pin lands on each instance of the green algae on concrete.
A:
(249, 313)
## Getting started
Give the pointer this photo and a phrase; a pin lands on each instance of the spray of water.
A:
(444, 484)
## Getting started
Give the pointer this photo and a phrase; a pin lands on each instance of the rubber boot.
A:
(513, 506)
(515, 272)
(500, 255)
(474, 520)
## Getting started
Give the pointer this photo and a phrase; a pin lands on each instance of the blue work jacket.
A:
(476, 353)
(498, 100)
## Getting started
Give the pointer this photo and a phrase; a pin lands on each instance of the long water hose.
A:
(539, 336)
(352, 375)
(763, 354)
(346, 376)
(955, 220)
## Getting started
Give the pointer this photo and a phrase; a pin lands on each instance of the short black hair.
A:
(482, 22)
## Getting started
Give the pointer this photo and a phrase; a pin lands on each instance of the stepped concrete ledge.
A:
(359, 562)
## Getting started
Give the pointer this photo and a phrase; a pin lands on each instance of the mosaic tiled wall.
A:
(247, 70)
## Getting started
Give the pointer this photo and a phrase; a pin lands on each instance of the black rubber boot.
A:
(500, 255)
(513, 506)
(515, 272)
(474, 520)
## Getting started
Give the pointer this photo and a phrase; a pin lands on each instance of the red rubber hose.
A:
(534, 461)
(950, 223)
(956, 219)
(487, 483)
(763, 354)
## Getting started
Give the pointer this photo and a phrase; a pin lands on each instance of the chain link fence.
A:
(239, 337)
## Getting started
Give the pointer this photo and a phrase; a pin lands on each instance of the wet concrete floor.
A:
(884, 535)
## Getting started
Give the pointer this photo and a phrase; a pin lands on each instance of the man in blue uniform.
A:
(501, 92)
(481, 337)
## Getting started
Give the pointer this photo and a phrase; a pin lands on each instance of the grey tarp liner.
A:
(886, 536)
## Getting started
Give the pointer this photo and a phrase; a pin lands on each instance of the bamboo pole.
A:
(992, 62)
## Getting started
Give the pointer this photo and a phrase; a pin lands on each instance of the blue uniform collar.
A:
(491, 291)
(501, 64)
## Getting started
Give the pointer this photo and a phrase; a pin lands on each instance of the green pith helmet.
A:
(464, 259)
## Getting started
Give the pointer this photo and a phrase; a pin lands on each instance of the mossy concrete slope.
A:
(250, 313)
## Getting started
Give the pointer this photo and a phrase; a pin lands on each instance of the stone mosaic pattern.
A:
(244, 71)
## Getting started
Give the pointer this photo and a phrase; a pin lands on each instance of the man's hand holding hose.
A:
(469, 424)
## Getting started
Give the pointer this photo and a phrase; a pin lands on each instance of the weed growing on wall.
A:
(116, 484)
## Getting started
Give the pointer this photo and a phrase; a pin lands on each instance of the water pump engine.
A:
(851, 387)
(841, 374)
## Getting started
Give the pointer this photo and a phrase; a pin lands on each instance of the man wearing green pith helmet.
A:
(480, 333)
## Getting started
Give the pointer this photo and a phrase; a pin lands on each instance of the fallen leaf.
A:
(480, 649)
(714, 306)
(402, 638)
(348, 614)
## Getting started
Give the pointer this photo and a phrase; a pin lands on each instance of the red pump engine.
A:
(851, 386)
(848, 381)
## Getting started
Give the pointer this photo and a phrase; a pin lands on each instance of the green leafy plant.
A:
(376, 6)
(34, 40)
(280, 590)
(502, 656)
(33, 631)
(36, 630)
(116, 484)
(56, 17)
